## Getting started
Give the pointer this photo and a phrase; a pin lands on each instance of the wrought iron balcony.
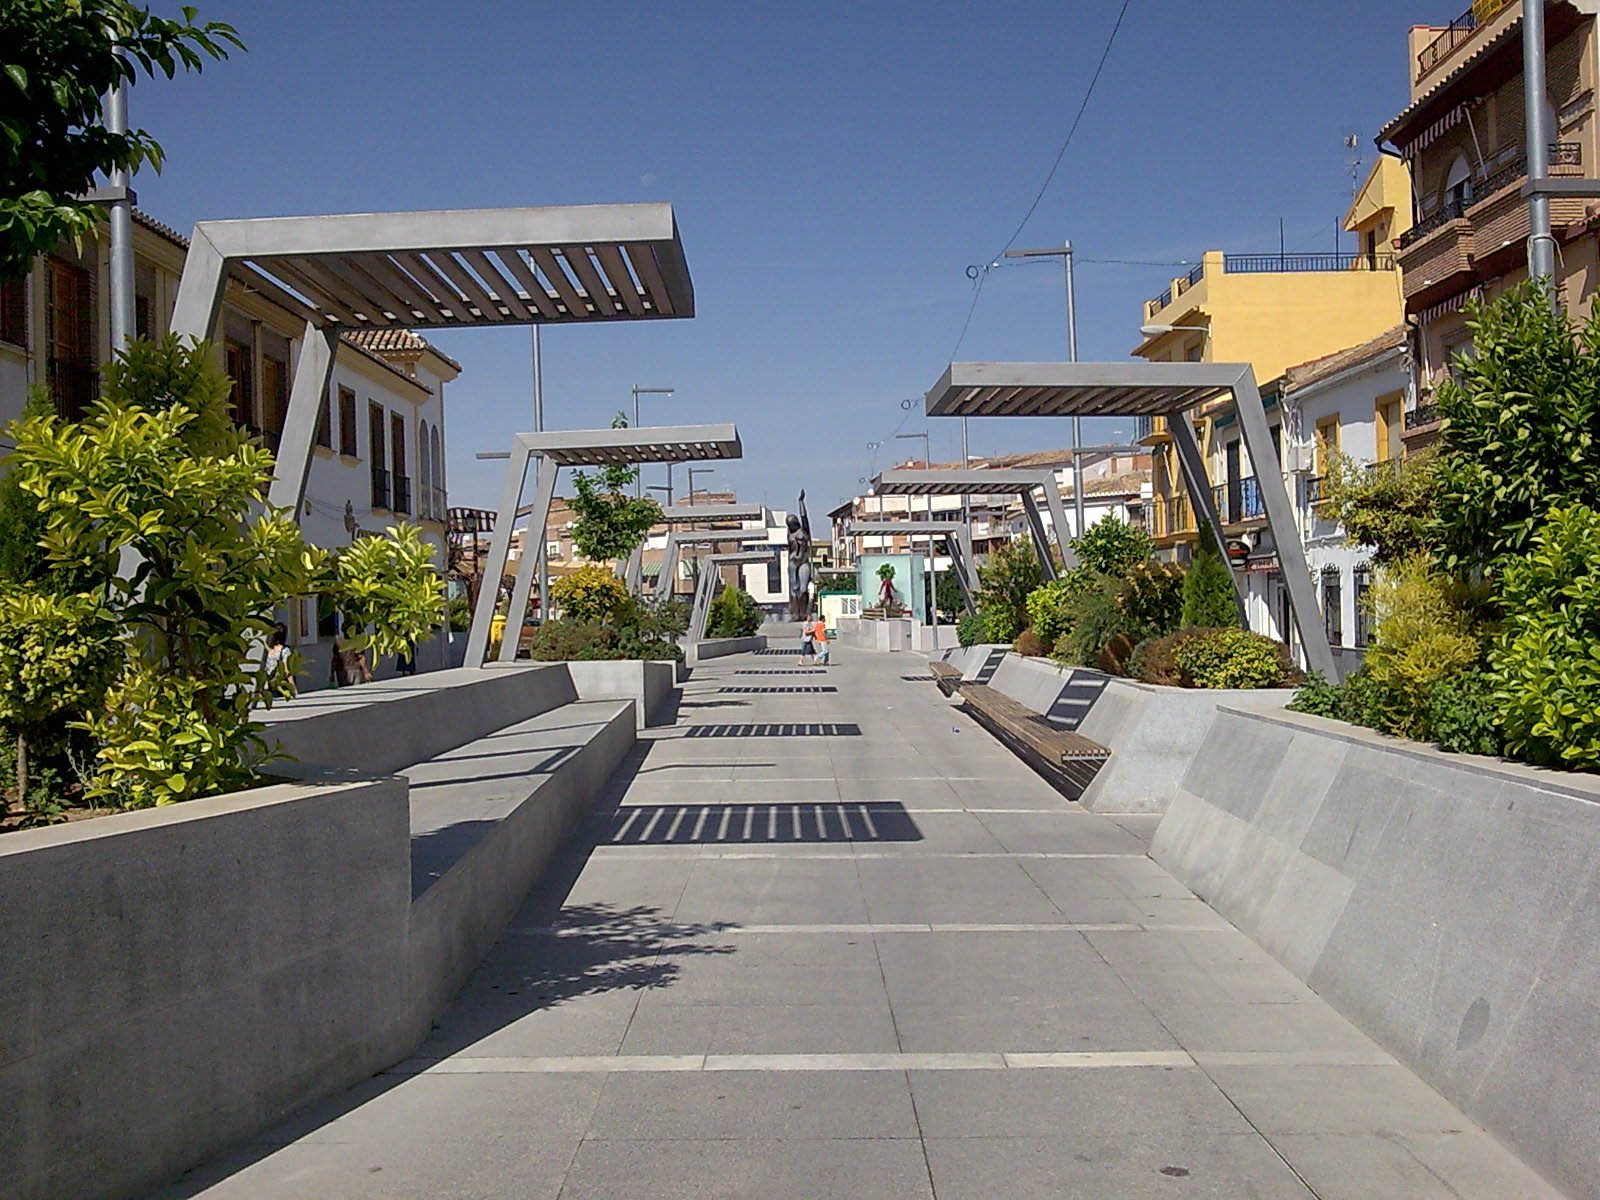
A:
(1255, 264)
(380, 488)
(1456, 34)
(1422, 416)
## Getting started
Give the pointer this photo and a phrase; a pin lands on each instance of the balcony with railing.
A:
(380, 487)
(1457, 34)
(401, 494)
(1174, 517)
(1260, 264)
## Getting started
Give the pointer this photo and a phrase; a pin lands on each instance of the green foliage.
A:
(947, 593)
(1318, 697)
(610, 523)
(971, 629)
(886, 571)
(458, 613)
(1232, 658)
(733, 614)
(1050, 611)
(1154, 659)
(1546, 661)
(58, 63)
(590, 593)
(1463, 716)
(1112, 547)
(1208, 595)
(1011, 573)
(1093, 618)
(1521, 429)
(1152, 599)
(58, 655)
(650, 631)
(570, 640)
(1390, 507)
(389, 586)
(1420, 636)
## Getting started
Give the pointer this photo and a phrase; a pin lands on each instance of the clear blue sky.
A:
(834, 169)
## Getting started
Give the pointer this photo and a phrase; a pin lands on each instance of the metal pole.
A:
(123, 322)
(638, 480)
(1077, 425)
(538, 427)
(1541, 246)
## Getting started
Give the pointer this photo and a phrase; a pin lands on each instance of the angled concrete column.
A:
(1198, 485)
(499, 550)
(309, 389)
(1058, 522)
(544, 491)
(194, 313)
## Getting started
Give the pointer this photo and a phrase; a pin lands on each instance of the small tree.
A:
(1390, 508)
(947, 593)
(591, 593)
(58, 63)
(1011, 573)
(1208, 595)
(58, 654)
(733, 614)
(389, 587)
(1112, 546)
(610, 522)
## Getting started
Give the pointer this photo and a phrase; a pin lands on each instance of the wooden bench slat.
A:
(946, 676)
(1058, 745)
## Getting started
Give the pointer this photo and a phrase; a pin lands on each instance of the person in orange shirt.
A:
(819, 635)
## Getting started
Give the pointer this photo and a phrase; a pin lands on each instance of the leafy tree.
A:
(1546, 662)
(1112, 546)
(1390, 508)
(948, 593)
(180, 490)
(57, 63)
(1006, 579)
(58, 654)
(1208, 595)
(389, 587)
(1521, 429)
(610, 522)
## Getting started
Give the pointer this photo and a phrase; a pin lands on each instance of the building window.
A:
(69, 300)
(274, 400)
(14, 312)
(1362, 590)
(1388, 427)
(774, 573)
(1327, 444)
(347, 422)
(1332, 614)
(1458, 185)
(401, 481)
(324, 431)
(241, 399)
(375, 450)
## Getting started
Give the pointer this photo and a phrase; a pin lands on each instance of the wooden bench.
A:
(1067, 760)
(946, 676)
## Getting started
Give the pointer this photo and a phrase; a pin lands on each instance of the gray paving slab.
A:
(996, 994)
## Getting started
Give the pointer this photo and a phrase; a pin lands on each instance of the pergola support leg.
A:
(499, 550)
(666, 582)
(199, 300)
(705, 589)
(1041, 540)
(1058, 522)
(1280, 519)
(544, 490)
(1199, 487)
(633, 571)
(307, 393)
(961, 552)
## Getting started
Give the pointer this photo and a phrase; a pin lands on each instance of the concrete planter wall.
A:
(926, 638)
(176, 978)
(696, 652)
(649, 684)
(1449, 905)
(1154, 733)
(890, 634)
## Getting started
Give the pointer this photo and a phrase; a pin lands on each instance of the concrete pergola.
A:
(994, 482)
(572, 448)
(470, 268)
(706, 589)
(688, 514)
(958, 535)
(1146, 389)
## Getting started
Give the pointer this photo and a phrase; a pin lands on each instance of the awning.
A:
(1130, 389)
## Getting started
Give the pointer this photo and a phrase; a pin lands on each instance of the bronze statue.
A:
(799, 563)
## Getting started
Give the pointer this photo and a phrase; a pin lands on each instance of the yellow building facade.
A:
(1271, 311)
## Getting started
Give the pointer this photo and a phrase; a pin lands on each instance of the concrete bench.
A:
(1067, 760)
(946, 676)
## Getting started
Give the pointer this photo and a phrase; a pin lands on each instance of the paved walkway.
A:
(827, 939)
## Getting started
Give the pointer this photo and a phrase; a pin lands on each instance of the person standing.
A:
(819, 636)
(808, 647)
(278, 657)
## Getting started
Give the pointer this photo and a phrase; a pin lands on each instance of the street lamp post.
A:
(1065, 254)
(933, 571)
(649, 391)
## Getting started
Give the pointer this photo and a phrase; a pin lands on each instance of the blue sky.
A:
(834, 169)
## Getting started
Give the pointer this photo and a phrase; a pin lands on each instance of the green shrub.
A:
(1111, 547)
(1208, 595)
(1317, 696)
(1031, 644)
(1420, 636)
(1546, 662)
(650, 631)
(1011, 573)
(970, 629)
(1153, 659)
(1094, 617)
(1050, 612)
(1152, 599)
(1462, 715)
(733, 614)
(1233, 658)
(591, 593)
(568, 640)
(1391, 510)
(1371, 701)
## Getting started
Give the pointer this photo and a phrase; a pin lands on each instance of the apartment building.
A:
(380, 440)
(1462, 139)
(1271, 311)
